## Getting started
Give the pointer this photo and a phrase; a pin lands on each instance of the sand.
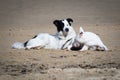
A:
(20, 20)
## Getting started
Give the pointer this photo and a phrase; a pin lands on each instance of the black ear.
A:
(69, 20)
(56, 22)
(59, 25)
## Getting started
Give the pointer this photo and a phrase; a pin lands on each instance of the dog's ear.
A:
(69, 20)
(55, 22)
(81, 31)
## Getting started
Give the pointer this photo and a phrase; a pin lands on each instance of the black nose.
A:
(66, 29)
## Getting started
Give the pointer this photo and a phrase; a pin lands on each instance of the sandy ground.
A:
(20, 20)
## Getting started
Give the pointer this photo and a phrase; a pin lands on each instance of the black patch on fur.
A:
(25, 44)
(34, 36)
(69, 21)
(59, 24)
(77, 48)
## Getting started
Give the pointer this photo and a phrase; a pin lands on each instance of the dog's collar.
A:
(59, 37)
(66, 43)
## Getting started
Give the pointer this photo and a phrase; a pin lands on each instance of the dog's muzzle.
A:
(66, 29)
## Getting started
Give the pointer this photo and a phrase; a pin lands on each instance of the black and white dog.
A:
(61, 40)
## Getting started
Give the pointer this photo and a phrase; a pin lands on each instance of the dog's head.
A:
(64, 27)
(79, 40)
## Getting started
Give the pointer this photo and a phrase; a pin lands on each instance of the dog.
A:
(61, 40)
(87, 41)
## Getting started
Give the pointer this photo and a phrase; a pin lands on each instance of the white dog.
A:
(87, 41)
(61, 40)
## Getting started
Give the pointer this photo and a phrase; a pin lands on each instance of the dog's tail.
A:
(106, 49)
(18, 45)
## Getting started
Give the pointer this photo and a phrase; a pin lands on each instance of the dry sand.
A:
(22, 19)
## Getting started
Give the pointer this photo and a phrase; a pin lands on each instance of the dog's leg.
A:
(85, 47)
(35, 43)
(69, 47)
(36, 47)
(92, 48)
(100, 48)
(28, 47)
(97, 48)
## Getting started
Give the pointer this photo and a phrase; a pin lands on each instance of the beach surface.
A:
(20, 20)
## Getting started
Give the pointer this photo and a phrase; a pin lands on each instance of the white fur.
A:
(88, 40)
(48, 41)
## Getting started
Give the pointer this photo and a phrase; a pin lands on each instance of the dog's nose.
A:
(66, 29)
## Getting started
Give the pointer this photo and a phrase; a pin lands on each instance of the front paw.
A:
(69, 47)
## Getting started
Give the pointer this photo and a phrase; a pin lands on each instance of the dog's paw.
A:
(69, 47)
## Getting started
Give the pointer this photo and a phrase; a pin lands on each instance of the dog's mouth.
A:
(65, 34)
